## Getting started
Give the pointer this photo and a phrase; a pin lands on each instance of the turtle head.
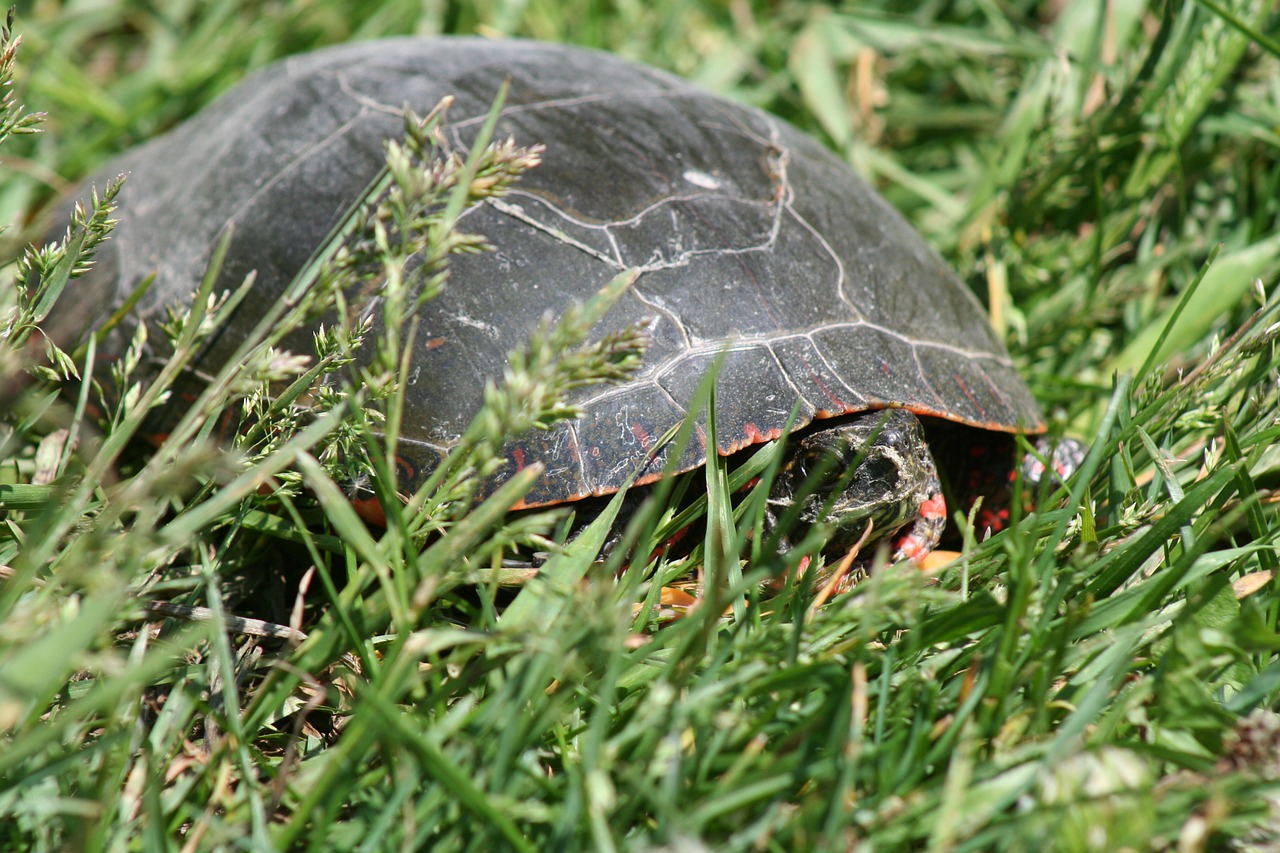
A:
(873, 469)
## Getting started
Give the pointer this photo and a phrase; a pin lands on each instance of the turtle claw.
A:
(926, 531)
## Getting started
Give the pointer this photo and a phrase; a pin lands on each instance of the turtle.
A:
(758, 252)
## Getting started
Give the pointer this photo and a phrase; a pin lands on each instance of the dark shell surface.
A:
(753, 241)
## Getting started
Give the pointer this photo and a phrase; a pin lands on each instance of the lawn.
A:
(203, 646)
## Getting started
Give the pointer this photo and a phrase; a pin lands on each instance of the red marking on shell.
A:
(744, 441)
(841, 405)
(757, 436)
(964, 388)
(517, 454)
(404, 469)
(370, 509)
(642, 436)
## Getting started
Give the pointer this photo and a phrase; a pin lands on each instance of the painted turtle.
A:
(754, 243)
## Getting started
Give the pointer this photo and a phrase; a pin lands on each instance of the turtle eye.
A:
(880, 472)
(821, 469)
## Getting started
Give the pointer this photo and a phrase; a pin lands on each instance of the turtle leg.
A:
(926, 530)
(1053, 459)
(1064, 455)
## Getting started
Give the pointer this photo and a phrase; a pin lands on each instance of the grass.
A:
(1103, 675)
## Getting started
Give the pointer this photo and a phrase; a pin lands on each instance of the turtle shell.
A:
(754, 242)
